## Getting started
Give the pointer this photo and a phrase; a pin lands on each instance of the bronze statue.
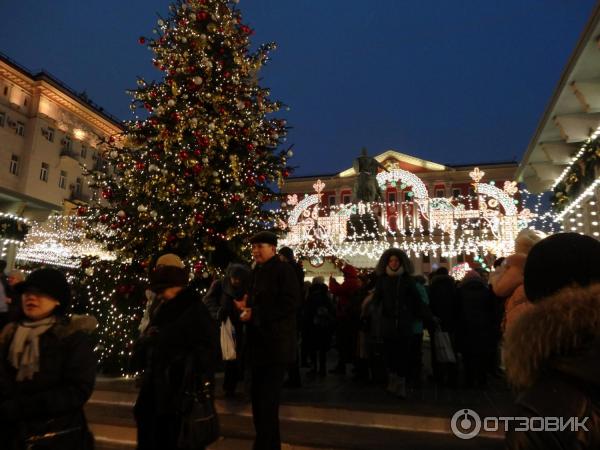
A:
(366, 188)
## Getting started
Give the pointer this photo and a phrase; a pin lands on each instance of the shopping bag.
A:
(443, 347)
(228, 341)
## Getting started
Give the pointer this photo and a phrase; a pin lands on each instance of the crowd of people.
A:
(539, 309)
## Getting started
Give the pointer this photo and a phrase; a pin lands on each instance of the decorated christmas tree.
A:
(192, 172)
(192, 176)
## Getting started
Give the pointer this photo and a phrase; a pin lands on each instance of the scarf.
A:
(392, 273)
(24, 352)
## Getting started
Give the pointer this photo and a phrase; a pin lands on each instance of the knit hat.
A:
(49, 282)
(559, 261)
(168, 272)
(526, 239)
(264, 237)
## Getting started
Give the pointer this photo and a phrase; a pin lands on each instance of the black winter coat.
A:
(219, 301)
(179, 328)
(552, 356)
(475, 333)
(401, 305)
(443, 301)
(274, 299)
(53, 400)
(319, 318)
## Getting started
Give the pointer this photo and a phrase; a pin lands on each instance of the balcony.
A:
(67, 153)
(79, 197)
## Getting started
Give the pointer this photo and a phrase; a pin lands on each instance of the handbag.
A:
(443, 347)
(228, 341)
(199, 421)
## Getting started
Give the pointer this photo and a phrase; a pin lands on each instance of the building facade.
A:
(47, 133)
(410, 208)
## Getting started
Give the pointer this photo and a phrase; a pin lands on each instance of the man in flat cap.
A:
(270, 314)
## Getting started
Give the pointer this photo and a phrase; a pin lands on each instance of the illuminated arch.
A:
(408, 178)
(507, 202)
(306, 203)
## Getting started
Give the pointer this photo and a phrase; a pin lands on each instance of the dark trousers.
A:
(415, 367)
(265, 392)
(318, 357)
(232, 375)
(397, 354)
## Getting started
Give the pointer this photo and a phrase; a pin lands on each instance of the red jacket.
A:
(345, 291)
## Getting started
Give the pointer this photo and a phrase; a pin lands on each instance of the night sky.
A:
(452, 81)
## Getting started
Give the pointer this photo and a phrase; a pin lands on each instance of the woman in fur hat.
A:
(47, 369)
(552, 351)
(397, 295)
(180, 330)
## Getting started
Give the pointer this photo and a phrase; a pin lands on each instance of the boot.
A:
(401, 387)
(392, 385)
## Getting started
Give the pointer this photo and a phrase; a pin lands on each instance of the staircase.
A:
(303, 426)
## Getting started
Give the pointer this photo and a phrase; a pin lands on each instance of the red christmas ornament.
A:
(183, 155)
(81, 210)
(250, 181)
(107, 194)
(285, 173)
(187, 174)
(197, 152)
(198, 266)
(144, 264)
(142, 40)
(103, 218)
(139, 166)
(114, 226)
(199, 218)
(202, 15)
(261, 178)
(197, 169)
(250, 147)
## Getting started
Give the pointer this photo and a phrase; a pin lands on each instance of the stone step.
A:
(302, 425)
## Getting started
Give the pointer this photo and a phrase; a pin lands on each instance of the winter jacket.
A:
(52, 401)
(319, 317)
(345, 291)
(443, 300)
(401, 305)
(475, 332)
(179, 328)
(552, 356)
(274, 298)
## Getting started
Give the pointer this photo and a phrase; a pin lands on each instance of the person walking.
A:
(47, 369)
(552, 350)
(319, 326)
(398, 296)
(346, 330)
(286, 254)
(219, 301)
(475, 333)
(180, 333)
(270, 314)
(443, 297)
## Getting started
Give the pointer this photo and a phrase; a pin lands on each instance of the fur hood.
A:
(63, 328)
(385, 257)
(560, 334)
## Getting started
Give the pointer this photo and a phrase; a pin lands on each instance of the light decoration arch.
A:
(403, 176)
(489, 225)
